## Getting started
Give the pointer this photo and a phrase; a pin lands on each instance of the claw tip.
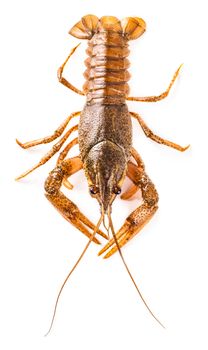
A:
(185, 148)
(18, 142)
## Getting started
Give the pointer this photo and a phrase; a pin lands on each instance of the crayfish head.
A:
(105, 168)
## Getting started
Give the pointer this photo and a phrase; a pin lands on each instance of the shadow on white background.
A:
(100, 308)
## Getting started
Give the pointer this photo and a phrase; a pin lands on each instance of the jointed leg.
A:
(63, 80)
(64, 205)
(156, 138)
(133, 188)
(66, 150)
(137, 158)
(139, 217)
(159, 97)
(62, 156)
(58, 132)
(51, 153)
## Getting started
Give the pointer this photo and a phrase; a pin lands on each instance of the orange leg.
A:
(159, 97)
(137, 158)
(133, 188)
(64, 205)
(130, 192)
(49, 154)
(62, 80)
(156, 138)
(62, 156)
(139, 217)
(58, 132)
(66, 150)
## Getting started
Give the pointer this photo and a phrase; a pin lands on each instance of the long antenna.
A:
(73, 268)
(130, 275)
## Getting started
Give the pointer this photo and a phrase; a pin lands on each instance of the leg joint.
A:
(149, 192)
(59, 73)
(148, 132)
(54, 181)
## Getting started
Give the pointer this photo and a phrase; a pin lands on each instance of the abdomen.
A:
(107, 64)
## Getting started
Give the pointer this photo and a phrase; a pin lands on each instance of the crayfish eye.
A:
(117, 190)
(93, 190)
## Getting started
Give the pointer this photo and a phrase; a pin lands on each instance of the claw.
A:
(133, 225)
(120, 233)
(88, 223)
(72, 214)
(121, 239)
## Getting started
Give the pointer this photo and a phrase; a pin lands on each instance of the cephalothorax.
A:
(104, 135)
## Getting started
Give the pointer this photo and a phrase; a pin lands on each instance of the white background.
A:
(100, 308)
